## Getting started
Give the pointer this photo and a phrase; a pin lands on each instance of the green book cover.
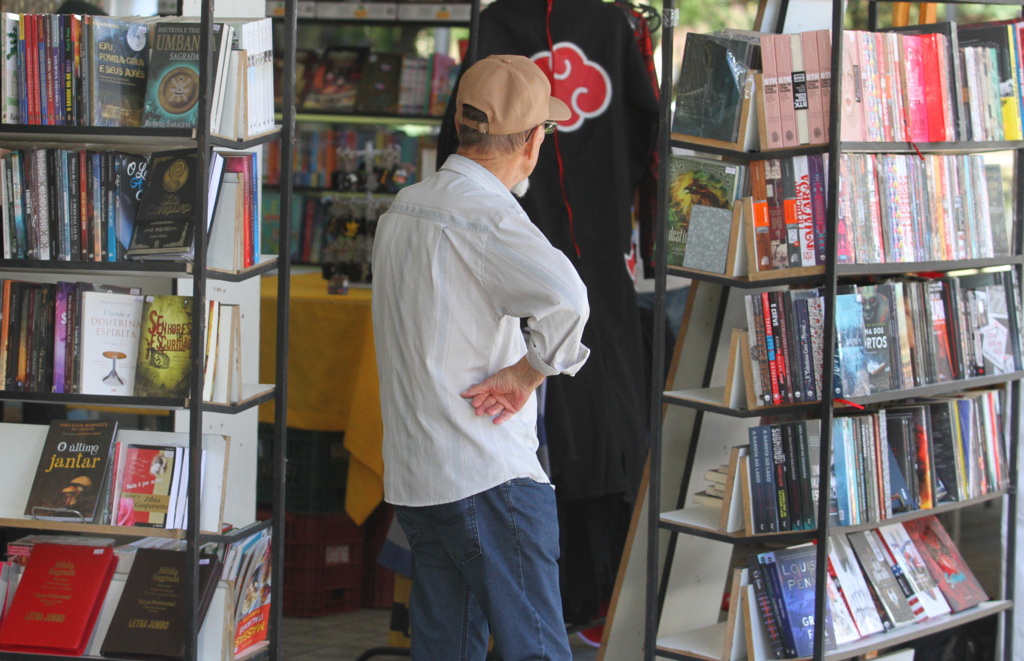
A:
(172, 92)
(119, 64)
(165, 350)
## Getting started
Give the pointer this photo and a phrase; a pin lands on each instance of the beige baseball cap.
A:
(512, 91)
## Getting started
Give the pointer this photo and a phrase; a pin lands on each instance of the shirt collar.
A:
(478, 173)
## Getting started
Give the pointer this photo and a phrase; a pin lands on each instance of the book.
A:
(708, 239)
(794, 571)
(149, 620)
(335, 82)
(696, 181)
(131, 181)
(119, 69)
(164, 359)
(946, 565)
(850, 334)
(111, 325)
(252, 594)
(904, 553)
(378, 87)
(851, 582)
(711, 86)
(74, 469)
(868, 550)
(173, 85)
(165, 221)
(149, 483)
(58, 601)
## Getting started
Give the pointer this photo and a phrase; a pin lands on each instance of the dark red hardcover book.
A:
(956, 581)
(58, 599)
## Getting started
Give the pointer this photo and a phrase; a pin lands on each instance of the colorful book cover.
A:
(877, 332)
(955, 579)
(110, 329)
(850, 334)
(335, 82)
(695, 181)
(172, 89)
(164, 359)
(119, 70)
(842, 621)
(793, 573)
(73, 469)
(253, 595)
(131, 171)
(58, 601)
(148, 481)
(903, 551)
(165, 220)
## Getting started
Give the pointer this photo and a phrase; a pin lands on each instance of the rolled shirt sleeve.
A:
(526, 277)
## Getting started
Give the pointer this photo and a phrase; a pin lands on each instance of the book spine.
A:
(791, 213)
(770, 93)
(824, 42)
(817, 130)
(794, 483)
(757, 333)
(774, 584)
(804, 210)
(771, 355)
(800, 92)
(780, 479)
(761, 225)
(764, 606)
(790, 132)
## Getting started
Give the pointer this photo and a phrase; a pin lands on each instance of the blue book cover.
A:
(794, 569)
(850, 336)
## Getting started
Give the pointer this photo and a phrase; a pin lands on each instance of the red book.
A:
(945, 564)
(243, 166)
(58, 599)
(911, 51)
(32, 75)
(931, 51)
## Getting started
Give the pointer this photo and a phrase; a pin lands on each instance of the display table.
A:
(332, 376)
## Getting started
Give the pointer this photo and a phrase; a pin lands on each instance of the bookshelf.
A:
(695, 420)
(337, 181)
(225, 433)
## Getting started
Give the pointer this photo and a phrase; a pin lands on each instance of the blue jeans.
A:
(487, 564)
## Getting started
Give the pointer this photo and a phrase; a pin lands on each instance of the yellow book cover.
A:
(165, 348)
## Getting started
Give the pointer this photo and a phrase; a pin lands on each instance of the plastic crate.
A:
(316, 473)
(333, 576)
(320, 528)
(378, 581)
(321, 601)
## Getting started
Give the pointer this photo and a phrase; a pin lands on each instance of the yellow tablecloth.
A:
(332, 376)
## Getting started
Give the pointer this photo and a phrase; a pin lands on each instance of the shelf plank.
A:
(965, 147)
(705, 643)
(253, 394)
(712, 399)
(245, 143)
(353, 118)
(900, 268)
(919, 630)
(266, 264)
(702, 521)
(126, 268)
(801, 275)
(33, 134)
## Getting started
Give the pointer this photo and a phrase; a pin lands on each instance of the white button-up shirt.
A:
(456, 265)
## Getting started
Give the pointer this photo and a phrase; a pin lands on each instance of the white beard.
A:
(520, 189)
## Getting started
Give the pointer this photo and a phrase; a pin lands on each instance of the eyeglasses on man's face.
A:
(550, 126)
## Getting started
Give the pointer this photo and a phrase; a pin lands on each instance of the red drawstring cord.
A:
(558, 150)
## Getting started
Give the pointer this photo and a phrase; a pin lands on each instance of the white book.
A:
(233, 122)
(800, 100)
(227, 373)
(110, 329)
(180, 474)
(210, 358)
(853, 585)
(223, 246)
(7, 204)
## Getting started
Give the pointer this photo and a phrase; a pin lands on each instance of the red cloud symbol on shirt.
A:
(583, 85)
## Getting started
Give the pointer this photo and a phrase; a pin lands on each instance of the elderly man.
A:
(459, 270)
